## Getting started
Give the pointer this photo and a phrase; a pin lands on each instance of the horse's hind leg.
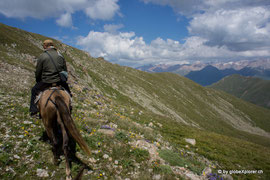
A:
(50, 132)
(65, 147)
(79, 175)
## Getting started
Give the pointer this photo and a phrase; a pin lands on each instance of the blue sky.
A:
(139, 32)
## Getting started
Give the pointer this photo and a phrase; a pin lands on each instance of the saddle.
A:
(54, 86)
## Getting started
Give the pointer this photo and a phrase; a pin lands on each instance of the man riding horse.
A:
(55, 110)
(49, 64)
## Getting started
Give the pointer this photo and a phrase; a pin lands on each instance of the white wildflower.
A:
(16, 156)
(42, 173)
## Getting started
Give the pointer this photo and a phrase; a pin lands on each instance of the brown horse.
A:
(54, 106)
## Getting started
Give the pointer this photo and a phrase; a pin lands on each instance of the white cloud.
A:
(231, 29)
(102, 9)
(128, 49)
(239, 25)
(95, 9)
(120, 47)
(223, 29)
(239, 30)
(65, 20)
(192, 7)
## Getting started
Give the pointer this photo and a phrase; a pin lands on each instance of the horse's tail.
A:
(70, 125)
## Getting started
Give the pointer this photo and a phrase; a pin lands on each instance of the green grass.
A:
(230, 153)
(139, 155)
(163, 169)
(121, 136)
(175, 159)
(251, 89)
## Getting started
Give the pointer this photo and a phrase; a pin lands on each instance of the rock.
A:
(192, 176)
(206, 171)
(112, 125)
(107, 132)
(105, 156)
(92, 160)
(42, 173)
(227, 177)
(53, 173)
(151, 148)
(156, 177)
(6, 136)
(148, 129)
(178, 170)
(191, 141)
(160, 125)
(10, 169)
(118, 177)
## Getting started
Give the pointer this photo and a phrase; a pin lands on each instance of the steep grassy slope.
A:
(159, 109)
(252, 89)
(178, 98)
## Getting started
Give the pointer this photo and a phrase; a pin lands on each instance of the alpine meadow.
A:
(138, 125)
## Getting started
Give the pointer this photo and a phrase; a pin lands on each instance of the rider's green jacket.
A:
(45, 69)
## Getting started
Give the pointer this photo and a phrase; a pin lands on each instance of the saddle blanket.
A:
(52, 88)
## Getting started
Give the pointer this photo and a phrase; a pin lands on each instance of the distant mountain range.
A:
(211, 74)
(207, 74)
(184, 69)
(181, 69)
(252, 89)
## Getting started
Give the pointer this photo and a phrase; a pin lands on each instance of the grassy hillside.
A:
(252, 89)
(134, 122)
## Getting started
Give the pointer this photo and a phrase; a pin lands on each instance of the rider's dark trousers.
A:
(41, 86)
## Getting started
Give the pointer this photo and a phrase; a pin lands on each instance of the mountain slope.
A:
(211, 74)
(177, 98)
(252, 89)
(162, 108)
